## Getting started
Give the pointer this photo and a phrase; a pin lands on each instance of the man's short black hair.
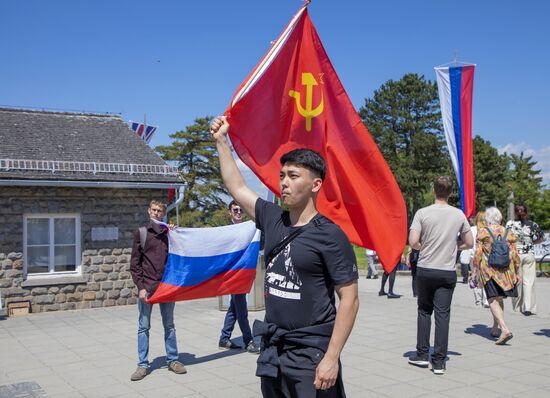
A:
(308, 159)
(231, 204)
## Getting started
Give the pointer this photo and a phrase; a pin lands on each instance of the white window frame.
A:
(78, 246)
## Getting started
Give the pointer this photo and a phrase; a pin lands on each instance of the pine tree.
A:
(490, 175)
(194, 152)
(405, 121)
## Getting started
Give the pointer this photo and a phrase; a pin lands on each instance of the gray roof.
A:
(96, 139)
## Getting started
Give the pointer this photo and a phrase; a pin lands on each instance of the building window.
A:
(51, 244)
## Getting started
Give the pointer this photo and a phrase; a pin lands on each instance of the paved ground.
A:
(91, 353)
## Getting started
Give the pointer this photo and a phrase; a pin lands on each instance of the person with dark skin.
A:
(528, 234)
(391, 276)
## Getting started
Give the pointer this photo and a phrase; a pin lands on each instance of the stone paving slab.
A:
(91, 353)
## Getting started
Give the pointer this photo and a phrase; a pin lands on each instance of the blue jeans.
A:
(237, 311)
(144, 324)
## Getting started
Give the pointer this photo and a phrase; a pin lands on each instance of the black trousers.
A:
(296, 377)
(435, 293)
(414, 285)
(464, 270)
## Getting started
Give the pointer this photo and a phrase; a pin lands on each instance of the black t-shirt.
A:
(300, 280)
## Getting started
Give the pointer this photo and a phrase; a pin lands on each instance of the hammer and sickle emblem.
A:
(308, 112)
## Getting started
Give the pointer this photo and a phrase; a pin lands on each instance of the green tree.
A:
(525, 181)
(490, 175)
(194, 153)
(405, 121)
(540, 212)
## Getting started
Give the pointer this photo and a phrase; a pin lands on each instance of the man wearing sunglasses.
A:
(238, 310)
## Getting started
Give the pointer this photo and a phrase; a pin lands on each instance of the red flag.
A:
(294, 99)
(171, 194)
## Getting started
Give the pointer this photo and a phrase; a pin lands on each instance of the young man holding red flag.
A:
(308, 259)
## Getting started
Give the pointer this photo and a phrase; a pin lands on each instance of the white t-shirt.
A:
(466, 255)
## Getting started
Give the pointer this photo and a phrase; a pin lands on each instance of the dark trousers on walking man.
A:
(435, 293)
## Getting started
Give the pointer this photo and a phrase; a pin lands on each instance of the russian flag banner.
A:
(209, 262)
(455, 85)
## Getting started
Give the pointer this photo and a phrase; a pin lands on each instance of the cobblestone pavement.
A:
(91, 353)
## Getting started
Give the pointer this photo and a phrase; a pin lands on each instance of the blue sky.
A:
(178, 60)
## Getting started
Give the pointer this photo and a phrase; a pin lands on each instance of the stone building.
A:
(73, 189)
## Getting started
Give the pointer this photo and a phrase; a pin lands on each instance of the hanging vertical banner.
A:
(294, 99)
(455, 85)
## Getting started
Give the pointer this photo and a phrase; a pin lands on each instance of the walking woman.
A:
(498, 283)
(475, 283)
(528, 233)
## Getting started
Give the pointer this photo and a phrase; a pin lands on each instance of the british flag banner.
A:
(145, 132)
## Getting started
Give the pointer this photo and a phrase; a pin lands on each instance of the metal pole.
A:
(178, 215)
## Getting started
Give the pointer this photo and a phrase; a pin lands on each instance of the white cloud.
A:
(540, 155)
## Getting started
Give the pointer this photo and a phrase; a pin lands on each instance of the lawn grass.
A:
(360, 255)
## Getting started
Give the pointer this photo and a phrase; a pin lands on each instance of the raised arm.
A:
(231, 175)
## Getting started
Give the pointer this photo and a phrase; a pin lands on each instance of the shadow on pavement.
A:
(543, 332)
(191, 359)
(480, 330)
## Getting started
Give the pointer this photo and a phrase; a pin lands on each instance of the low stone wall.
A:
(106, 281)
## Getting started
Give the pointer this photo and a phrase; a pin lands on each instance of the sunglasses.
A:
(237, 211)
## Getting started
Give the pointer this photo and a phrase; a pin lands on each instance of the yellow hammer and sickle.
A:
(308, 112)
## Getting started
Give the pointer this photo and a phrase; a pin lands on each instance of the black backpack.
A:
(500, 252)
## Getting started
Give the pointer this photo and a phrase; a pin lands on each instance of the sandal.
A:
(504, 339)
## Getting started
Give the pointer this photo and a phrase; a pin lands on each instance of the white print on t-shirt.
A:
(284, 282)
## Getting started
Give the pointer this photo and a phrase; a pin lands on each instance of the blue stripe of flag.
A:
(455, 77)
(190, 271)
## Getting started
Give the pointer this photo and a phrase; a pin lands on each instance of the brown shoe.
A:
(139, 374)
(504, 338)
(177, 367)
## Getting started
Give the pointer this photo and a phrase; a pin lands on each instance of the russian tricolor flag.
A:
(455, 85)
(208, 262)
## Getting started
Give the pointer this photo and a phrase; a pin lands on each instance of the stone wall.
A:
(105, 278)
